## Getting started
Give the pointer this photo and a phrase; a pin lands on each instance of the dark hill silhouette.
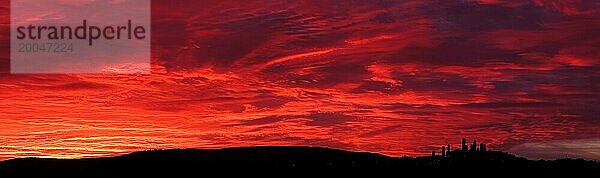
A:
(281, 162)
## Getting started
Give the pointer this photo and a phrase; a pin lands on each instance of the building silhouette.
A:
(464, 145)
(482, 147)
(443, 151)
(466, 150)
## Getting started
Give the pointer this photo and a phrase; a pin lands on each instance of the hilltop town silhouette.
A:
(465, 149)
(290, 161)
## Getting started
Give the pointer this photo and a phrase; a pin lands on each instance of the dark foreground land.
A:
(288, 162)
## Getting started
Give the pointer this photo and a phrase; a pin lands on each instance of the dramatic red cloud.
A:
(392, 77)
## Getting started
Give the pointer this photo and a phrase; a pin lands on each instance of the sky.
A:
(396, 77)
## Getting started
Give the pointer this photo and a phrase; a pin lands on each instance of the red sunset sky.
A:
(397, 77)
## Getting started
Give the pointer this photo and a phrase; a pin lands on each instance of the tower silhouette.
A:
(464, 145)
(443, 151)
(482, 147)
